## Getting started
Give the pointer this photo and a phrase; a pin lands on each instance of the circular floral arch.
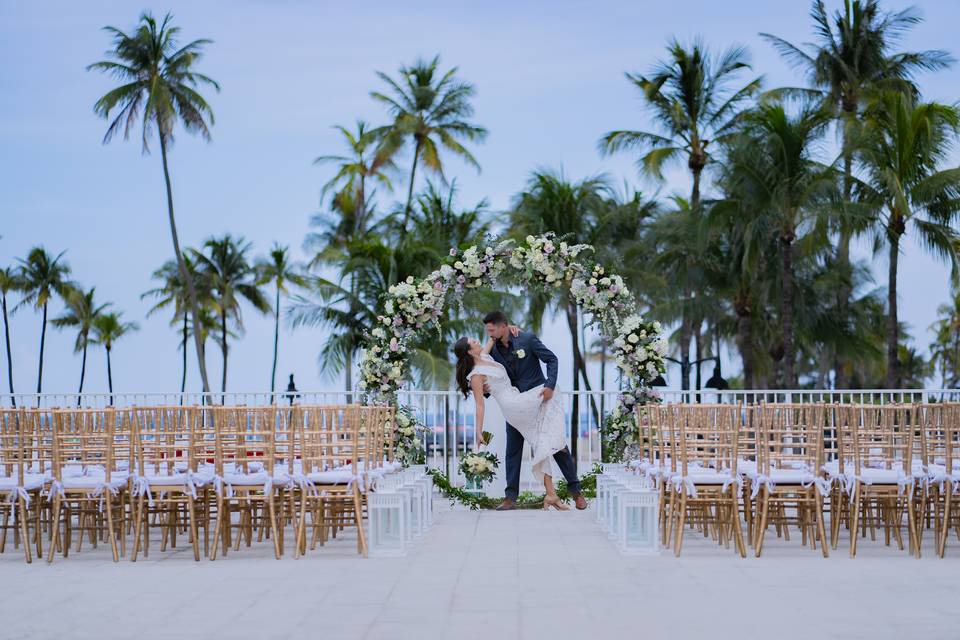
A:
(414, 307)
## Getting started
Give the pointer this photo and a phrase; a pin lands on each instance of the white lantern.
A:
(387, 523)
(637, 520)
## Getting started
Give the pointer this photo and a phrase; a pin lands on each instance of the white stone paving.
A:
(493, 576)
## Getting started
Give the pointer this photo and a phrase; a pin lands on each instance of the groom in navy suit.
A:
(525, 374)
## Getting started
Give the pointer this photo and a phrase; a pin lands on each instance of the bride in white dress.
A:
(539, 422)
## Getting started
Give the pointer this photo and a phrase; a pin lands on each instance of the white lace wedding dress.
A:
(540, 423)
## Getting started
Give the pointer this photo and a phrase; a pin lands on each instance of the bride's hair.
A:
(461, 349)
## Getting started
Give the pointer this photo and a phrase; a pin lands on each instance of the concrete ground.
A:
(488, 575)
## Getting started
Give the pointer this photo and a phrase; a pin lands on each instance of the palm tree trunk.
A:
(109, 377)
(413, 175)
(695, 191)
(192, 303)
(276, 343)
(83, 370)
(786, 311)
(183, 378)
(893, 327)
(698, 347)
(223, 348)
(6, 334)
(745, 346)
(685, 335)
(842, 260)
(43, 338)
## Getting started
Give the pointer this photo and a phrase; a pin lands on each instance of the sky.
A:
(549, 81)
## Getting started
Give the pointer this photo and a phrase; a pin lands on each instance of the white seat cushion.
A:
(331, 477)
(882, 476)
(246, 479)
(31, 482)
(117, 481)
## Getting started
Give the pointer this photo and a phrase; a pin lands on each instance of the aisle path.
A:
(487, 575)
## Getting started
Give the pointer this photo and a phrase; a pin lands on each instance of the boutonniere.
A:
(521, 354)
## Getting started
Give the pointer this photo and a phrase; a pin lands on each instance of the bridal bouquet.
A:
(479, 467)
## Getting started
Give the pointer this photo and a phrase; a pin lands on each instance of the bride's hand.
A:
(514, 330)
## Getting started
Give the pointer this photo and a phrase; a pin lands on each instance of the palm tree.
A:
(850, 59)
(9, 281)
(433, 110)
(173, 291)
(160, 85)
(82, 312)
(108, 328)
(230, 277)
(367, 162)
(904, 144)
(945, 349)
(41, 277)
(694, 107)
(281, 271)
(775, 163)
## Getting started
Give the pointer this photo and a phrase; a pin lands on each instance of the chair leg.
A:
(764, 508)
(945, 527)
(273, 526)
(25, 530)
(54, 528)
(854, 525)
(194, 534)
(139, 525)
(113, 538)
(218, 533)
(821, 526)
(358, 517)
(681, 517)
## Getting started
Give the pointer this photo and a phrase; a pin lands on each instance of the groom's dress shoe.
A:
(580, 501)
(507, 505)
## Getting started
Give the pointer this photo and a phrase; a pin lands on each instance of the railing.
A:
(450, 420)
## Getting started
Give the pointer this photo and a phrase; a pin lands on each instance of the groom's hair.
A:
(495, 317)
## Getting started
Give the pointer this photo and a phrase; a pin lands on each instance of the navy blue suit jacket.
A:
(526, 373)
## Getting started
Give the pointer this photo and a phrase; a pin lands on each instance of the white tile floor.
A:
(494, 576)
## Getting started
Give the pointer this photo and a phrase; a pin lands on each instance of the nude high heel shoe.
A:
(556, 503)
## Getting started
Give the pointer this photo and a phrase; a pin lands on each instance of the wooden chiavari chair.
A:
(706, 482)
(21, 482)
(941, 455)
(788, 485)
(882, 482)
(168, 444)
(245, 477)
(91, 478)
(332, 447)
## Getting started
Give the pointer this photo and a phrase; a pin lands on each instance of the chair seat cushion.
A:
(118, 480)
(882, 476)
(175, 480)
(331, 477)
(246, 479)
(31, 482)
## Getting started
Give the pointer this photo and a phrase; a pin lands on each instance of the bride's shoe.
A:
(556, 503)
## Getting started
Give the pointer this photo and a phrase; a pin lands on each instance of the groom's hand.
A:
(546, 393)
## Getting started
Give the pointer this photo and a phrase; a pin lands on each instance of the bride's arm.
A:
(476, 385)
(487, 348)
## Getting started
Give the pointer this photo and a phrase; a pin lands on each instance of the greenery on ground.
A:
(526, 500)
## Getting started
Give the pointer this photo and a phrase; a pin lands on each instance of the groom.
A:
(521, 355)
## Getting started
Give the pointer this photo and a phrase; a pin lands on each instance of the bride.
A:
(539, 421)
